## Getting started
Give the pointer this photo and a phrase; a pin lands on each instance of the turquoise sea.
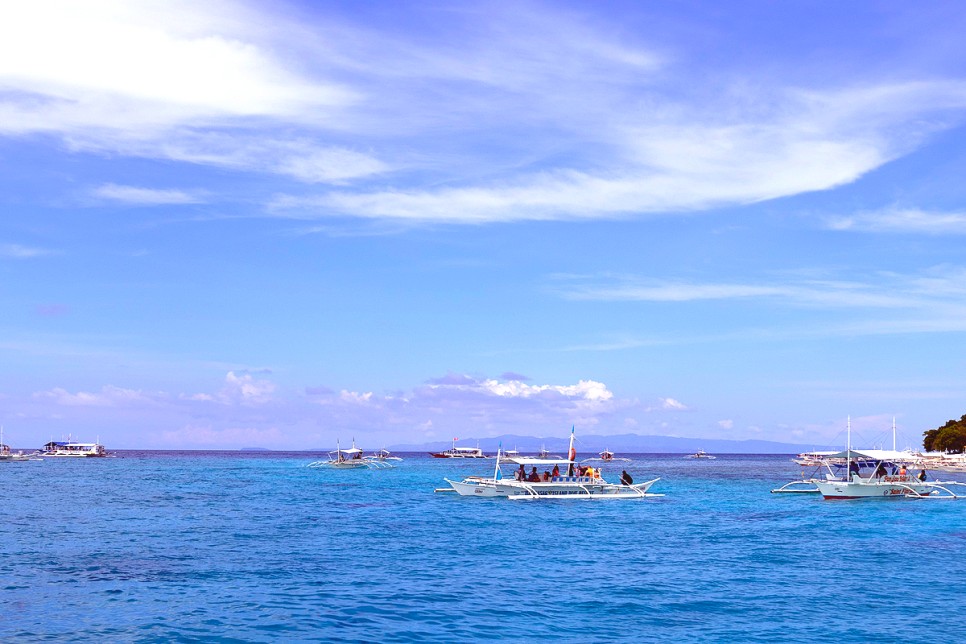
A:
(255, 547)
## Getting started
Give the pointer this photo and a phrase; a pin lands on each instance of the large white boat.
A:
(72, 449)
(459, 452)
(560, 479)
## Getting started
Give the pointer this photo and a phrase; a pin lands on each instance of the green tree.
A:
(951, 437)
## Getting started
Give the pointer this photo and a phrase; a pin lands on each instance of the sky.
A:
(279, 225)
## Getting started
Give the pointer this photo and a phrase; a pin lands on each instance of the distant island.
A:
(254, 449)
(627, 443)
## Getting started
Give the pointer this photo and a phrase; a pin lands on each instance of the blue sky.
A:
(235, 225)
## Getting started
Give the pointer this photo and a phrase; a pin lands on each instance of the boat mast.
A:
(848, 451)
(496, 470)
(893, 433)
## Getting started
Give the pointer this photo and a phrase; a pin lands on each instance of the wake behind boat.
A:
(561, 479)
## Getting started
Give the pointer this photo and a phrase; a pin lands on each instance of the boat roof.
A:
(351, 450)
(526, 460)
(874, 454)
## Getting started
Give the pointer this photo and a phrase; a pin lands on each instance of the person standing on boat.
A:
(521, 473)
(556, 471)
(626, 478)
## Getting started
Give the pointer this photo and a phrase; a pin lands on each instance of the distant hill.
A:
(629, 443)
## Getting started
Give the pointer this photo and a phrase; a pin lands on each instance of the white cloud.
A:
(246, 390)
(684, 160)
(672, 404)
(589, 390)
(896, 220)
(202, 83)
(503, 94)
(726, 424)
(355, 397)
(16, 251)
(143, 196)
(108, 396)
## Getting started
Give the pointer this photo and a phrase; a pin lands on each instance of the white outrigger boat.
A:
(701, 454)
(383, 455)
(886, 477)
(352, 458)
(565, 483)
(8, 455)
(607, 456)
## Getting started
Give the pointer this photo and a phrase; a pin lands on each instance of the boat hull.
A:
(890, 487)
(566, 487)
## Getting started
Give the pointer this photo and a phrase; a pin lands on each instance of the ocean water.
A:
(256, 547)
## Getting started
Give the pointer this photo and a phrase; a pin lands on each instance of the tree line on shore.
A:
(951, 437)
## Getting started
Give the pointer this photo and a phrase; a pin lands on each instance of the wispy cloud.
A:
(877, 290)
(17, 251)
(897, 220)
(683, 159)
(486, 121)
(144, 196)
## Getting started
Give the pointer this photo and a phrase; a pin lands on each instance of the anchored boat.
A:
(352, 458)
(560, 479)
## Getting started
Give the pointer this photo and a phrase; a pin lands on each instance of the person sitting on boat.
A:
(521, 474)
(556, 471)
(534, 475)
(922, 474)
(853, 468)
(880, 471)
(902, 470)
(626, 478)
(589, 471)
(546, 476)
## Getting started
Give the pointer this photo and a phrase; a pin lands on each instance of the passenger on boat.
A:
(521, 474)
(626, 478)
(589, 471)
(556, 471)
(853, 468)
(922, 475)
(534, 476)
(546, 475)
(902, 470)
(880, 471)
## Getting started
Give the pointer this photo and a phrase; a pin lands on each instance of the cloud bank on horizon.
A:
(714, 207)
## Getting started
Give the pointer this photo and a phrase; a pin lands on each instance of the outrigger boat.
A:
(701, 454)
(352, 458)
(6, 454)
(383, 455)
(888, 478)
(567, 483)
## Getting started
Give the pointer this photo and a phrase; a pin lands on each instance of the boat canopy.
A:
(874, 455)
(525, 460)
